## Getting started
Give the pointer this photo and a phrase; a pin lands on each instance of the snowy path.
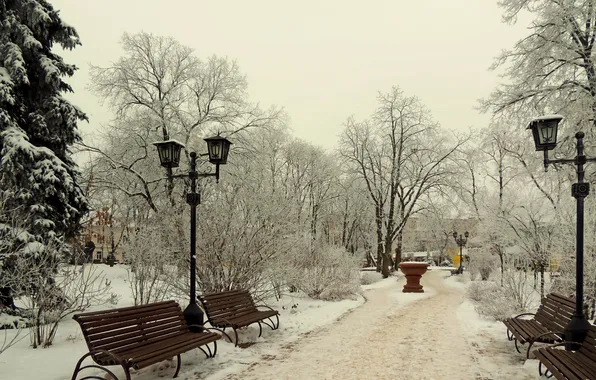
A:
(421, 340)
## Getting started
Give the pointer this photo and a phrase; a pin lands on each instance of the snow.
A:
(4, 75)
(33, 247)
(169, 141)
(547, 117)
(431, 335)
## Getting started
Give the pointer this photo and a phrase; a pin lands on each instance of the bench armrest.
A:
(564, 343)
(560, 334)
(523, 315)
(268, 307)
(117, 358)
(221, 319)
(212, 328)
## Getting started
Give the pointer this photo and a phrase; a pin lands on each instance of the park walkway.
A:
(380, 340)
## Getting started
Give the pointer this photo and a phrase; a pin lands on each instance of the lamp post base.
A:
(576, 330)
(193, 315)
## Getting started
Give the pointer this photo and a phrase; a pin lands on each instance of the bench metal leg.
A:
(205, 352)
(546, 373)
(530, 343)
(178, 363)
(516, 347)
(273, 325)
(78, 367)
(540, 368)
(509, 335)
(260, 329)
(236, 336)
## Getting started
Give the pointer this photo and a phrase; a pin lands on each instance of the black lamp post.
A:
(461, 241)
(544, 130)
(169, 156)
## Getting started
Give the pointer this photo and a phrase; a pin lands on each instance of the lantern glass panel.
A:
(215, 150)
(547, 132)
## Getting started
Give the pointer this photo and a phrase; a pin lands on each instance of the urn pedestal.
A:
(413, 272)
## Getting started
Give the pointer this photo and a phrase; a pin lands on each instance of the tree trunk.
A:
(399, 248)
(541, 281)
(387, 255)
(502, 267)
(379, 222)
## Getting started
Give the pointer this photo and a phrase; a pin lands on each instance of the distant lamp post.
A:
(544, 130)
(169, 155)
(461, 242)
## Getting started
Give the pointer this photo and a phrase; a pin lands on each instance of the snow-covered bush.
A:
(370, 277)
(495, 303)
(516, 296)
(330, 273)
(517, 286)
(152, 266)
(51, 298)
(477, 290)
(483, 263)
(14, 324)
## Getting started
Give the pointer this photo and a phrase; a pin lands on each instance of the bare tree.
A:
(553, 67)
(160, 91)
(401, 154)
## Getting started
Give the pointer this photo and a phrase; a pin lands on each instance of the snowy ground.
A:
(394, 335)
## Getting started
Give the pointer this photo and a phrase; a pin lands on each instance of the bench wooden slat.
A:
(151, 315)
(116, 343)
(129, 310)
(132, 322)
(216, 296)
(225, 302)
(127, 332)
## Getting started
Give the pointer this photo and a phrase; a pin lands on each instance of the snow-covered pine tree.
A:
(38, 178)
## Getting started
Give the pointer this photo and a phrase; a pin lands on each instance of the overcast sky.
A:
(322, 60)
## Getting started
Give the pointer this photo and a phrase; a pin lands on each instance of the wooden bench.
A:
(573, 365)
(236, 309)
(139, 336)
(547, 324)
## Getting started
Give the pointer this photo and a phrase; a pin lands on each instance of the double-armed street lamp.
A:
(461, 242)
(544, 129)
(169, 155)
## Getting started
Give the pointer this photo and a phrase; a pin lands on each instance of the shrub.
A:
(500, 303)
(370, 277)
(152, 270)
(496, 305)
(519, 289)
(329, 273)
(483, 264)
(478, 290)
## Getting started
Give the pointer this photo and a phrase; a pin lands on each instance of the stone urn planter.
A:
(413, 271)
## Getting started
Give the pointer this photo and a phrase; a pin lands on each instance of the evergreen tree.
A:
(38, 178)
